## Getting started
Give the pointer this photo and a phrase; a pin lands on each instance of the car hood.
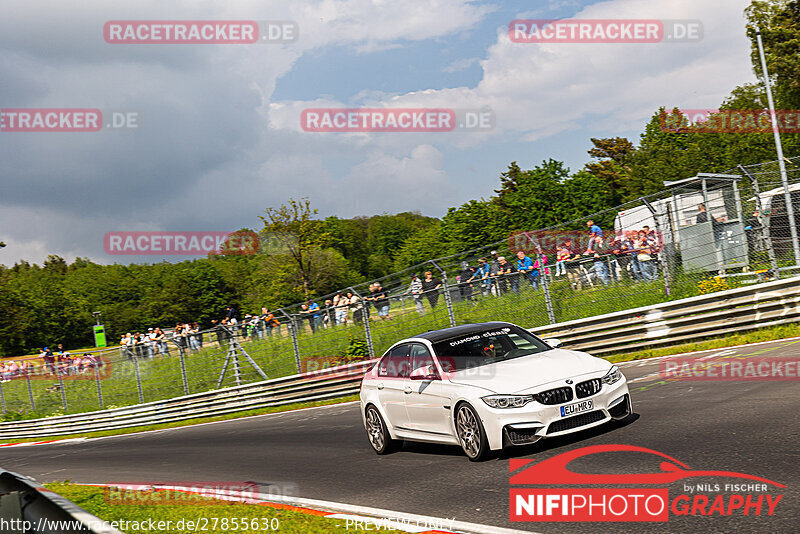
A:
(529, 374)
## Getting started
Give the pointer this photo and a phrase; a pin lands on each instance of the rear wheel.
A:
(471, 434)
(377, 432)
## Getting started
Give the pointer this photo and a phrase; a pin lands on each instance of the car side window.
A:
(395, 363)
(420, 357)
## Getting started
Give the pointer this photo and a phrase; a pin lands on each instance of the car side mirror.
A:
(424, 373)
(554, 343)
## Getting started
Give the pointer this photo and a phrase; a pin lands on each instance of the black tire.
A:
(378, 434)
(471, 434)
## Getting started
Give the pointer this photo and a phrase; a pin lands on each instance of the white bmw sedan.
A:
(484, 387)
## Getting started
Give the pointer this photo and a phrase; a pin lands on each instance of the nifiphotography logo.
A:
(750, 496)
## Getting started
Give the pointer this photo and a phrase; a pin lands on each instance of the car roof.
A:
(435, 336)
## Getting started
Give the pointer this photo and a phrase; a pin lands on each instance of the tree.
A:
(529, 200)
(293, 224)
(612, 155)
(779, 22)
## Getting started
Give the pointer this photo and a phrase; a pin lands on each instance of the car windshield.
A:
(487, 346)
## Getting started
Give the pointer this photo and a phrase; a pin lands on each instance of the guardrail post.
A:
(365, 316)
(292, 326)
(448, 299)
(548, 301)
(138, 379)
(183, 374)
(30, 391)
(99, 389)
(61, 389)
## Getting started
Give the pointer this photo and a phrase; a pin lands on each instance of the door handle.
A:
(380, 385)
(407, 390)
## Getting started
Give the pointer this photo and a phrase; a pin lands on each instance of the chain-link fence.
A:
(702, 234)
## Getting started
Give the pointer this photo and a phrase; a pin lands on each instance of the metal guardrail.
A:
(27, 507)
(714, 314)
(734, 310)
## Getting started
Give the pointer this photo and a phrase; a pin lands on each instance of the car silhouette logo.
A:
(569, 381)
(554, 470)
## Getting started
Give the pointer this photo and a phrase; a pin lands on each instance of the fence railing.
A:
(321, 385)
(735, 310)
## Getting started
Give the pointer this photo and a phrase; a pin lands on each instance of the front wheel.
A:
(377, 432)
(471, 434)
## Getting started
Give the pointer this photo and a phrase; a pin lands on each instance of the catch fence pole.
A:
(292, 326)
(365, 316)
(448, 299)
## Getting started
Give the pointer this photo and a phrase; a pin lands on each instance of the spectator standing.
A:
(198, 334)
(381, 300)
(179, 337)
(316, 315)
(269, 321)
(464, 281)
(415, 289)
(329, 319)
(526, 269)
(342, 305)
(644, 256)
(703, 215)
(594, 232)
(482, 274)
(573, 265)
(161, 341)
(598, 249)
(562, 256)
(430, 287)
(507, 272)
(494, 269)
(151, 343)
(356, 306)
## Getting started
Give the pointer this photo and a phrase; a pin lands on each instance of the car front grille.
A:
(588, 388)
(575, 421)
(555, 396)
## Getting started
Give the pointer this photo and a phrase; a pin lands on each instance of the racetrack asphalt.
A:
(750, 427)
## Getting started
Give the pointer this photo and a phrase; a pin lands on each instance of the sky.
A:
(219, 135)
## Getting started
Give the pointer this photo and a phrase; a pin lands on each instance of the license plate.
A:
(578, 407)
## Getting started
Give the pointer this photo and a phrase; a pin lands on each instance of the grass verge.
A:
(189, 422)
(268, 518)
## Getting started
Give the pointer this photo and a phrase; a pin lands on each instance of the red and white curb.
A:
(353, 516)
(32, 443)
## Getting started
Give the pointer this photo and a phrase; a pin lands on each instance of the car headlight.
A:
(613, 375)
(507, 401)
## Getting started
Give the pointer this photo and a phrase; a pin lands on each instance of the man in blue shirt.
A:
(525, 268)
(316, 317)
(594, 230)
(482, 274)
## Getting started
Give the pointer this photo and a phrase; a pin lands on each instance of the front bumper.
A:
(521, 426)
